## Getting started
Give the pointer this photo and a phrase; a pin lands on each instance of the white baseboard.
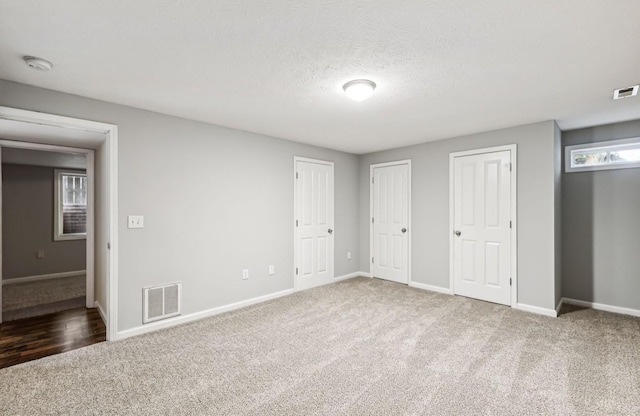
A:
(602, 307)
(364, 274)
(102, 314)
(350, 276)
(559, 306)
(155, 326)
(536, 309)
(28, 279)
(424, 286)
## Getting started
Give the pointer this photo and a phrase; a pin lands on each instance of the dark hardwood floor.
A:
(32, 338)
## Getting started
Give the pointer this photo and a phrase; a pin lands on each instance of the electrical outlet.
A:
(245, 274)
(40, 254)
(135, 221)
(348, 255)
(272, 270)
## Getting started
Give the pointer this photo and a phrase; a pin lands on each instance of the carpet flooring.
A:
(358, 347)
(26, 300)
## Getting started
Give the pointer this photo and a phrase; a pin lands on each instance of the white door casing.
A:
(483, 238)
(390, 221)
(314, 223)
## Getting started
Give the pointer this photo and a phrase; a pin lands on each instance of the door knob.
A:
(404, 230)
(458, 233)
(330, 231)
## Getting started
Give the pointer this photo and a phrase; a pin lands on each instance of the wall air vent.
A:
(161, 302)
(625, 92)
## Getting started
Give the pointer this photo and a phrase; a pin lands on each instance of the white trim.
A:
(514, 213)
(296, 159)
(1, 235)
(365, 274)
(537, 310)
(111, 148)
(101, 312)
(431, 288)
(39, 277)
(606, 145)
(409, 227)
(602, 307)
(167, 323)
(347, 276)
(559, 306)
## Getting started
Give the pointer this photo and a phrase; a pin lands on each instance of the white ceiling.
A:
(443, 67)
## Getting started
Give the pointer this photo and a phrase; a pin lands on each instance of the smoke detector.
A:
(38, 64)
(625, 92)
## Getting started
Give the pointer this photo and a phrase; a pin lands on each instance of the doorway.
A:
(47, 229)
(390, 221)
(31, 129)
(483, 224)
(314, 223)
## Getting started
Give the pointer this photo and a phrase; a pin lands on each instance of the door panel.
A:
(482, 210)
(390, 198)
(314, 224)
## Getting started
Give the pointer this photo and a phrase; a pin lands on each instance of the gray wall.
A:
(215, 201)
(601, 226)
(430, 207)
(27, 225)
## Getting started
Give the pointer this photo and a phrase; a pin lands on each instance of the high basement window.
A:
(71, 205)
(613, 154)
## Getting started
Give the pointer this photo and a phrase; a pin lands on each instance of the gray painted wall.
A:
(430, 207)
(601, 226)
(215, 200)
(27, 225)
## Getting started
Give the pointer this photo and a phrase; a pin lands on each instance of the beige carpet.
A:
(24, 300)
(359, 347)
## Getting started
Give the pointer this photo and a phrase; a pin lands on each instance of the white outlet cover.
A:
(272, 270)
(135, 221)
(245, 274)
(348, 255)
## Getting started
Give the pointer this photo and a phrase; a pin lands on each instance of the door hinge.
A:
(372, 180)
(510, 167)
(371, 259)
(372, 220)
(296, 223)
(296, 270)
(296, 175)
(510, 282)
(510, 224)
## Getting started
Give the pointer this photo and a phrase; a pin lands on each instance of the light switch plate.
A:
(272, 269)
(135, 221)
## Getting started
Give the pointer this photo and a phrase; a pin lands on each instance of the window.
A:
(614, 154)
(71, 205)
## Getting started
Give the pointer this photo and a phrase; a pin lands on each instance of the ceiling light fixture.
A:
(359, 89)
(38, 64)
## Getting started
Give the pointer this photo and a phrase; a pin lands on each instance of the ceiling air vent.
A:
(161, 302)
(625, 92)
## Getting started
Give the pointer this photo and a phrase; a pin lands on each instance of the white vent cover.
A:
(625, 92)
(161, 302)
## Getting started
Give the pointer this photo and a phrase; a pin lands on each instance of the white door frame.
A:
(514, 213)
(296, 159)
(111, 147)
(382, 165)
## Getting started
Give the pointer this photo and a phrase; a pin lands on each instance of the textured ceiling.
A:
(443, 67)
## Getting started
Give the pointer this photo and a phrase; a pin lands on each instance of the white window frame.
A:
(605, 146)
(58, 222)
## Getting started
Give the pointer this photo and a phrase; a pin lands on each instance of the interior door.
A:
(482, 226)
(314, 223)
(390, 223)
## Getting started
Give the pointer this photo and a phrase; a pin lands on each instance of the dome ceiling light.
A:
(359, 89)
(38, 64)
